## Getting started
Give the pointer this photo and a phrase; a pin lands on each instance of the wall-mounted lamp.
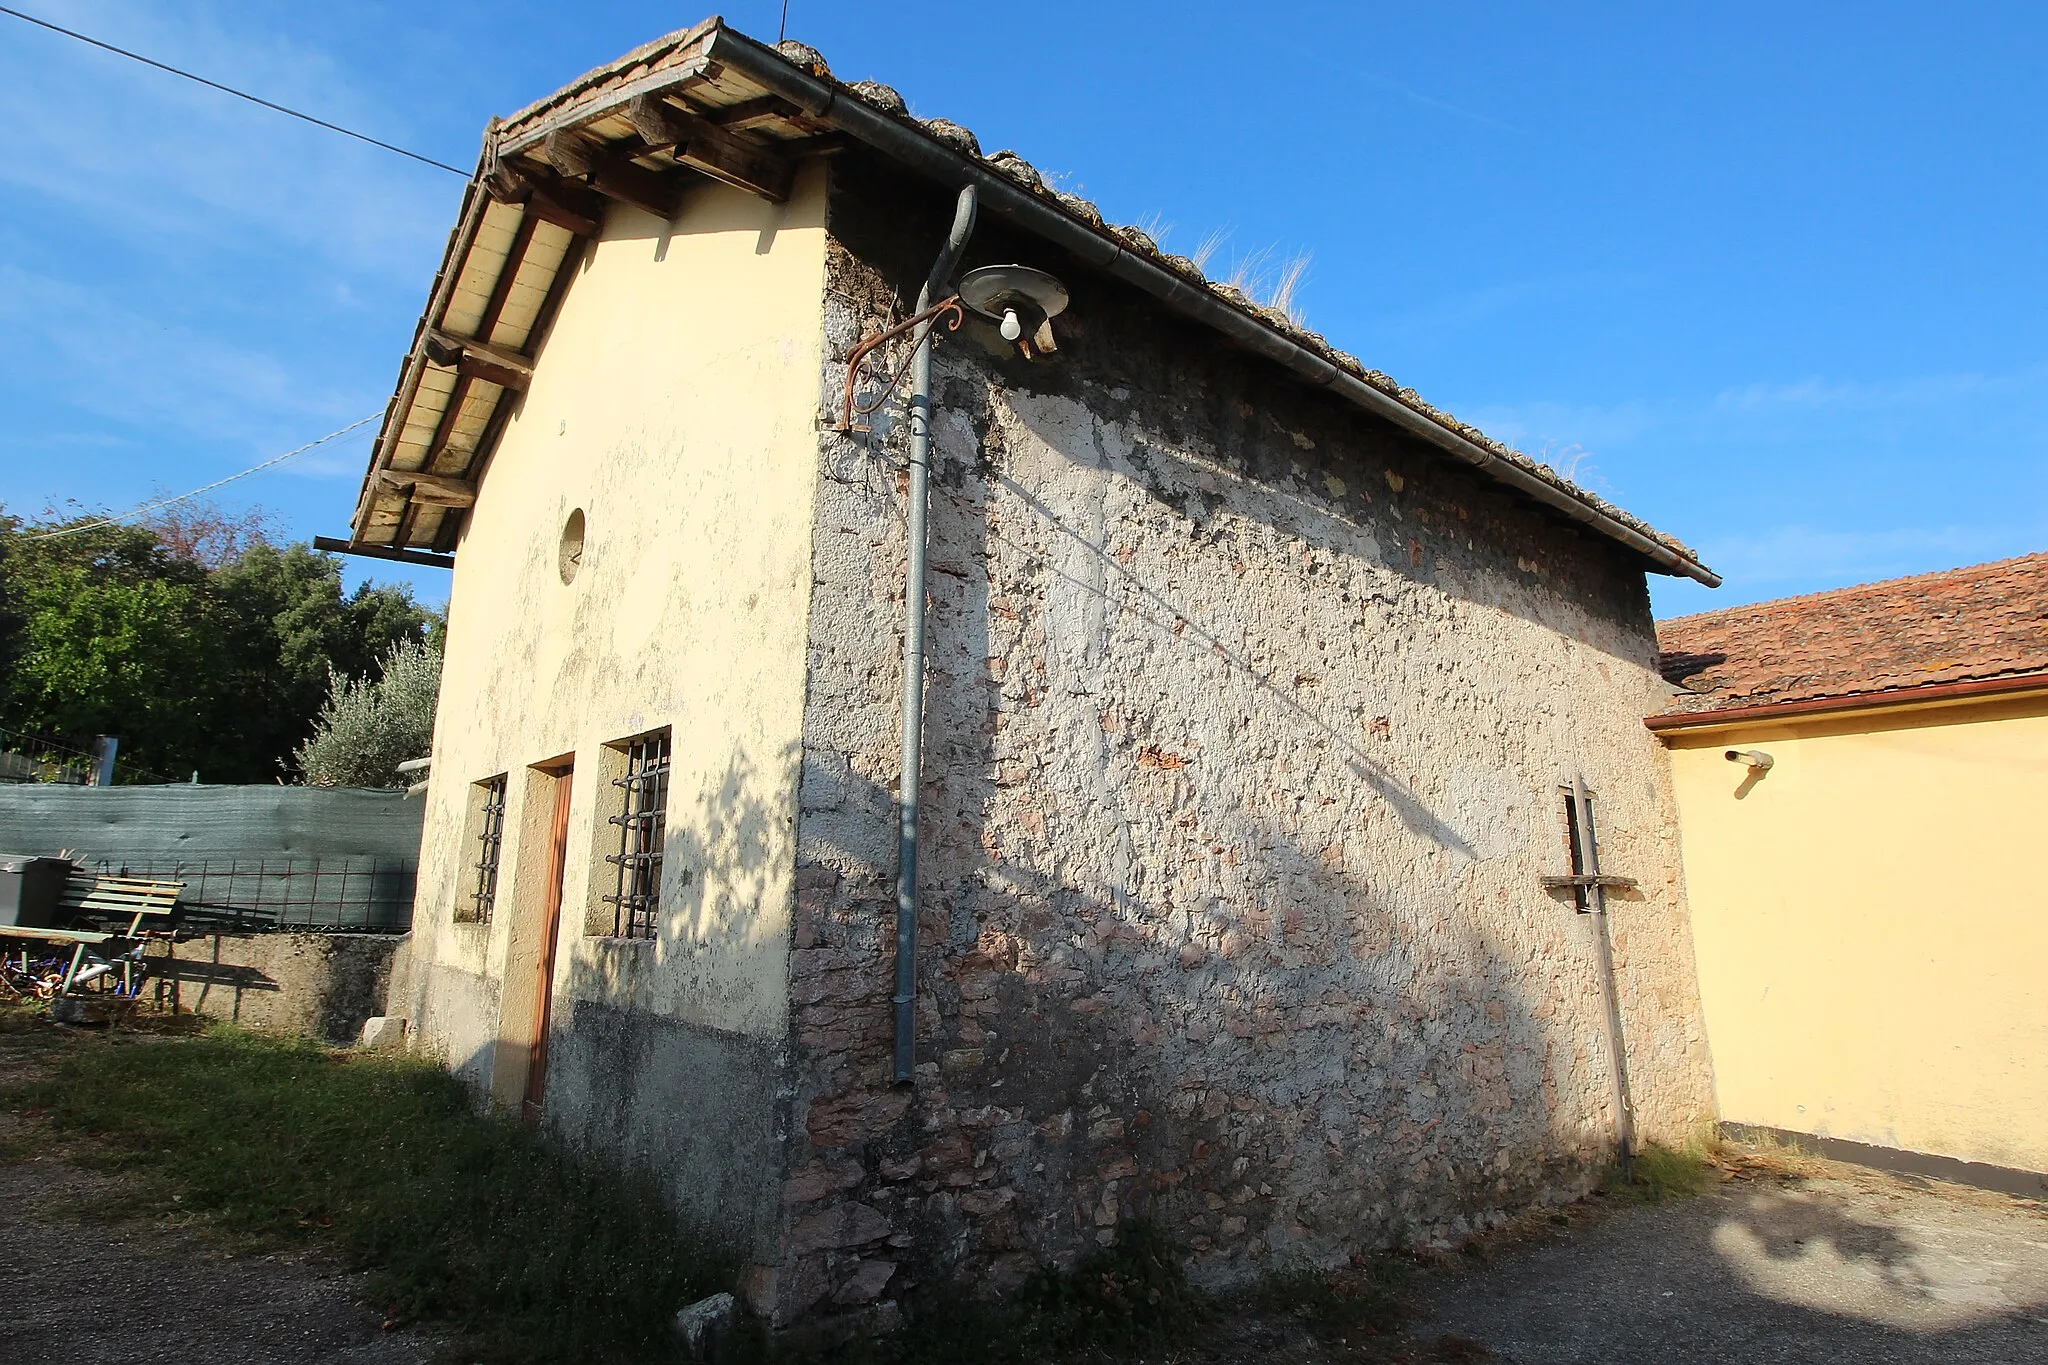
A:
(1755, 758)
(1024, 301)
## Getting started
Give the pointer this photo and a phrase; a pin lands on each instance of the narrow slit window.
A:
(641, 815)
(1581, 895)
(490, 839)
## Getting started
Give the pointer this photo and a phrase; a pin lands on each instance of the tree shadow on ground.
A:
(1760, 1271)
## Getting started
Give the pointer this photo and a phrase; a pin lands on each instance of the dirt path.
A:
(88, 1291)
(1789, 1261)
(1823, 1263)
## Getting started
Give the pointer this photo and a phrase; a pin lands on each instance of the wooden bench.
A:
(135, 898)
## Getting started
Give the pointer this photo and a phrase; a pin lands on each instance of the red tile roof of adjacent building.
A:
(1960, 625)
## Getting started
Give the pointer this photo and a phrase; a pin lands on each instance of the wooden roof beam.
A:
(337, 545)
(434, 490)
(612, 175)
(760, 112)
(548, 197)
(500, 365)
(704, 146)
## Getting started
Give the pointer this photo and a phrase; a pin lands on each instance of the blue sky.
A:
(1770, 277)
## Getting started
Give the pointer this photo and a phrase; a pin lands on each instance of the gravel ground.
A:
(1787, 1261)
(89, 1291)
(82, 1293)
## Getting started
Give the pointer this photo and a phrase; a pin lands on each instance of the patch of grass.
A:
(468, 1219)
(1131, 1293)
(1127, 1297)
(1659, 1174)
(18, 1015)
(1340, 1305)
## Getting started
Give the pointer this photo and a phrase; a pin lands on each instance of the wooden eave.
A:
(641, 132)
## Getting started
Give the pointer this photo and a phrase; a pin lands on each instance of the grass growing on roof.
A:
(465, 1218)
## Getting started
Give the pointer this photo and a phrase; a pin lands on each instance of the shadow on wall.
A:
(319, 985)
(643, 1062)
(1275, 1002)
(1224, 423)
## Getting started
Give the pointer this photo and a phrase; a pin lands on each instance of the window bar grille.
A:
(491, 839)
(643, 808)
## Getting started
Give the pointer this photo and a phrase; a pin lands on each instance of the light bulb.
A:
(1012, 328)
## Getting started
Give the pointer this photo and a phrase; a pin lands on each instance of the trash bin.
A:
(30, 889)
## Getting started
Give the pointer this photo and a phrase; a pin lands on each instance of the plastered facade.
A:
(1244, 725)
(672, 405)
(1871, 922)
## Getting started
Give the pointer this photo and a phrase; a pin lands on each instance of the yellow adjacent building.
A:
(1861, 779)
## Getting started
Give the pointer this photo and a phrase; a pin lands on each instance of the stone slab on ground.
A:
(1835, 1263)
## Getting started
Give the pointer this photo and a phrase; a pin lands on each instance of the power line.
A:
(43, 744)
(230, 90)
(149, 507)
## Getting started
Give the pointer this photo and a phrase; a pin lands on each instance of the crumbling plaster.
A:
(1244, 722)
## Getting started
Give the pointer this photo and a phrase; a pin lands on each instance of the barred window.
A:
(489, 824)
(641, 811)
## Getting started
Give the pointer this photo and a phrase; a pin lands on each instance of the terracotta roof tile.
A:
(1959, 625)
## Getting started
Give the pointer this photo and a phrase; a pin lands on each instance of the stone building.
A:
(1252, 681)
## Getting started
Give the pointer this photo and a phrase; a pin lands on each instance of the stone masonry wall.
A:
(1245, 717)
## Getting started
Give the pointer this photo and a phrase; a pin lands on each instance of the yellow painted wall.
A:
(675, 403)
(1871, 923)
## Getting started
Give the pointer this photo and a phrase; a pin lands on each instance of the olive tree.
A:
(370, 725)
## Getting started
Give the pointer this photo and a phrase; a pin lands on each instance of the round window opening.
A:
(572, 546)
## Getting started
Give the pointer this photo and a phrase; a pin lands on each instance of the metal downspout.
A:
(919, 501)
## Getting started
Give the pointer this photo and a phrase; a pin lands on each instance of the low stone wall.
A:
(320, 985)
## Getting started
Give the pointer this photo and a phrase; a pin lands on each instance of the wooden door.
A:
(551, 924)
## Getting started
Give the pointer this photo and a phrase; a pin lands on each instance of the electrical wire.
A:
(39, 744)
(230, 90)
(149, 507)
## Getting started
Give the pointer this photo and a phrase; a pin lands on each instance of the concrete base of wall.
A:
(1979, 1174)
(318, 985)
(694, 1107)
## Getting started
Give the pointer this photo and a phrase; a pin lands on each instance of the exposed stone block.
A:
(842, 1225)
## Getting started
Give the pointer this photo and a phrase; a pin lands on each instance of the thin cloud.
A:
(1551, 423)
(1818, 394)
(1409, 93)
(71, 338)
(149, 155)
(1454, 315)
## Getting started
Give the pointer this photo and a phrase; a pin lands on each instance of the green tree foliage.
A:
(371, 725)
(200, 642)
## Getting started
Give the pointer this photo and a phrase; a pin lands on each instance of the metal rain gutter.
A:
(930, 158)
